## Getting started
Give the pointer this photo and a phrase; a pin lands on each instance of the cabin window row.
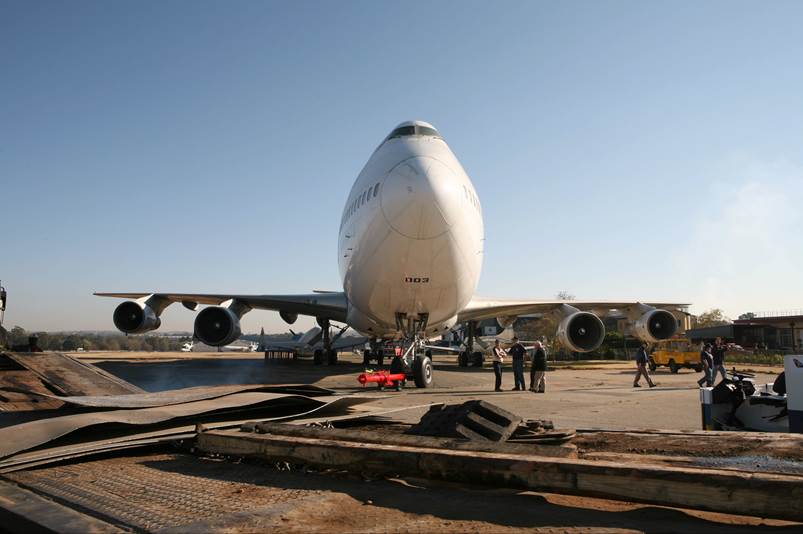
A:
(359, 201)
(471, 197)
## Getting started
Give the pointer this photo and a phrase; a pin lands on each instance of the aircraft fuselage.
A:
(411, 236)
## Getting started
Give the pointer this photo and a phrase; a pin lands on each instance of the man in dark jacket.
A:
(641, 364)
(718, 353)
(517, 352)
(538, 369)
(707, 362)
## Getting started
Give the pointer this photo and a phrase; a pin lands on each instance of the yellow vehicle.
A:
(675, 353)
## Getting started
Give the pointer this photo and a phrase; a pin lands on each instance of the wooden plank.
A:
(22, 510)
(69, 376)
(756, 494)
(718, 434)
(426, 442)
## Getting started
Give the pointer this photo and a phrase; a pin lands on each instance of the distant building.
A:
(775, 330)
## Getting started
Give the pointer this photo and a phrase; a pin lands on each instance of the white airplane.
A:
(410, 250)
(311, 342)
(251, 347)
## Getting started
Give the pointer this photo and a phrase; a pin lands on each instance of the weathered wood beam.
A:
(754, 494)
(427, 442)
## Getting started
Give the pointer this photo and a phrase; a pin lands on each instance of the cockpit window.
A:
(402, 131)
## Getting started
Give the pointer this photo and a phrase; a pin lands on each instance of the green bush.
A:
(756, 358)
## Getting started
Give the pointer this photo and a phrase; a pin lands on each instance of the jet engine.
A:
(507, 321)
(655, 325)
(288, 317)
(132, 317)
(581, 331)
(217, 326)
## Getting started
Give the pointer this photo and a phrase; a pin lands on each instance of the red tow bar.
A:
(381, 378)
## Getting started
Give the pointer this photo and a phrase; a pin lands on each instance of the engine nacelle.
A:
(288, 317)
(132, 317)
(506, 321)
(581, 331)
(217, 326)
(655, 325)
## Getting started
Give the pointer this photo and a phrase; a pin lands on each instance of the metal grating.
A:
(149, 493)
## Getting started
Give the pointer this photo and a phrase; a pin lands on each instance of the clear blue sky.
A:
(637, 150)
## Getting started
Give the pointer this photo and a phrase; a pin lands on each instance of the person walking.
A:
(498, 355)
(538, 369)
(641, 364)
(707, 361)
(517, 353)
(718, 354)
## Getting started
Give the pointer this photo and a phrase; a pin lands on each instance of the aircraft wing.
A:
(480, 308)
(329, 305)
(342, 343)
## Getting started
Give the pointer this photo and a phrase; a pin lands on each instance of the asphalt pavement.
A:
(588, 396)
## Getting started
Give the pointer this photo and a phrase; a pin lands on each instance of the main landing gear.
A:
(469, 356)
(327, 354)
(376, 352)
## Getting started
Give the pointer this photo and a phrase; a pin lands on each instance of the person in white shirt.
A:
(498, 354)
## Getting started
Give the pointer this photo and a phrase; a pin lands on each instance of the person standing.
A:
(538, 369)
(718, 353)
(641, 364)
(707, 361)
(517, 353)
(498, 354)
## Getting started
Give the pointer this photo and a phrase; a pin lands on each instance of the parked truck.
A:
(675, 353)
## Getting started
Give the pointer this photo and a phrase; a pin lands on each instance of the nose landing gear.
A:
(418, 363)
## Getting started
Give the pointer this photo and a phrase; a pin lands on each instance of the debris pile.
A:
(482, 421)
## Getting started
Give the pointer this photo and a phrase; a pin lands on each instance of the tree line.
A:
(71, 341)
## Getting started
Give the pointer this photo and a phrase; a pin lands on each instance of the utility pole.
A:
(3, 296)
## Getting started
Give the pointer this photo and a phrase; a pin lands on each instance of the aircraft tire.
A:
(366, 358)
(331, 357)
(317, 357)
(379, 360)
(422, 372)
(462, 359)
(477, 359)
(673, 367)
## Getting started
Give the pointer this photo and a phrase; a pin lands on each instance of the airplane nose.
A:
(420, 198)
